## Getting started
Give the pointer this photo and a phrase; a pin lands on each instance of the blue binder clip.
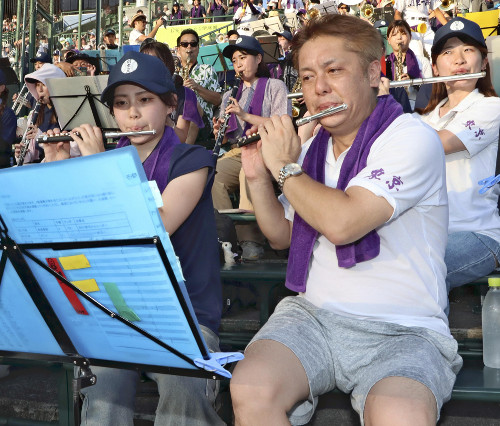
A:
(488, 183)
(217, 361)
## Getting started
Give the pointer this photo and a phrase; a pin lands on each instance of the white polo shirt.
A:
(475, 121)
(415, 8)
(405, 283)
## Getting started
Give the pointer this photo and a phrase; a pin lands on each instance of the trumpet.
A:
(419, 81)
(367, 11)
(107, 135)
(221, 38)
(21, 100)
(247, 140)
(447, 5)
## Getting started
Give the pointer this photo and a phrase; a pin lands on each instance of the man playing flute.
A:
(364, 212)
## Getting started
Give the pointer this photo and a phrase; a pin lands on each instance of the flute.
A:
(111, 135)
(439, 79)
(418, 81)
(326, 112)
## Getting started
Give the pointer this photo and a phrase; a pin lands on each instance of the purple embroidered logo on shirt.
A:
(479, 133)
(396, 181)
(469, 124)
(375, 174)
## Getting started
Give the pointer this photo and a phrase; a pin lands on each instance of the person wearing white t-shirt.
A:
(291, 6)
(416, 12)
(466, 115)
(247, 13)
(364, 212)
(138, 23)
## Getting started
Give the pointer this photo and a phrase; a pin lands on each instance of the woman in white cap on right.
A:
(466, 115)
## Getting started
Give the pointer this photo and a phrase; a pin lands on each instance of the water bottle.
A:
(491, 325)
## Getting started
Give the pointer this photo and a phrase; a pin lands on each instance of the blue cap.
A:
(3, 80)
(42, 57)
(457, 27)
(138, 68)
(246, 43)
(287, 34)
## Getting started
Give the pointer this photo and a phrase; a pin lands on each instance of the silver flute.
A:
(110, 135)
(329, 111)
(439, 79)
(417, 81)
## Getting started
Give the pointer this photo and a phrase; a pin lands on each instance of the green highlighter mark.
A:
(116, 297)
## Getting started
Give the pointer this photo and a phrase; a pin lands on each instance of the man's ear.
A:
(374, 70)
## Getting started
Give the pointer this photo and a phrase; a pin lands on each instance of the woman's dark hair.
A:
(484, 85)
(262, 70)
(41, 115)
(3, 98)
(398, 24)
(162, 52)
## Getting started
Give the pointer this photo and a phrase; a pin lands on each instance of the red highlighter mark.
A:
(70, 294)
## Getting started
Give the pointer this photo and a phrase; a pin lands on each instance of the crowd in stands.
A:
(376, 238)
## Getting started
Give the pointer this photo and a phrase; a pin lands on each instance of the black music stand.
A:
(271, 48)
(385, 13)
(49, 265)
(77, 101)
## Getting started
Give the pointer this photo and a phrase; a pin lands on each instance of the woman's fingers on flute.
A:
(89, 139)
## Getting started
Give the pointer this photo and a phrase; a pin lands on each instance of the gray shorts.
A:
(353, 355)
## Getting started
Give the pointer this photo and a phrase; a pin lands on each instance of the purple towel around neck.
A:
(159, 157)
(413, 70)
(190, 111)
(304, 235)
(255, 107)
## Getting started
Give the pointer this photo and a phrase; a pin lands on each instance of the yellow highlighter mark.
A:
(87, 286)
(78, 261)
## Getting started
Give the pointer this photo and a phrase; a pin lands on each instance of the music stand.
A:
(385, 13)
(327, 8)
(77, 101)
(88, 275)
(271, 48)
(212, 55)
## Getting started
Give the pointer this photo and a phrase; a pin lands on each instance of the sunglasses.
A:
(189, 43)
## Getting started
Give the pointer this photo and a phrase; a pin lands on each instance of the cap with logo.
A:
(246, 43)
(287, 34)
(138, 68)
(380, 24)
(42, 57)
(457, 27)
(110, 31)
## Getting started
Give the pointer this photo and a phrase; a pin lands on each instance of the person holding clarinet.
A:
(364, 213)
(258, 98)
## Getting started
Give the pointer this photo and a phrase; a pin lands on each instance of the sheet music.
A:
(104, 196)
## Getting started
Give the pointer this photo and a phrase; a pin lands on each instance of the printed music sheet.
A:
(101, 197)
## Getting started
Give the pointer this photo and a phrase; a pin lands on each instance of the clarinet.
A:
(25, 142)
(223, 127)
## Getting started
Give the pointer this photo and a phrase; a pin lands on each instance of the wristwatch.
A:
(290, 169)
